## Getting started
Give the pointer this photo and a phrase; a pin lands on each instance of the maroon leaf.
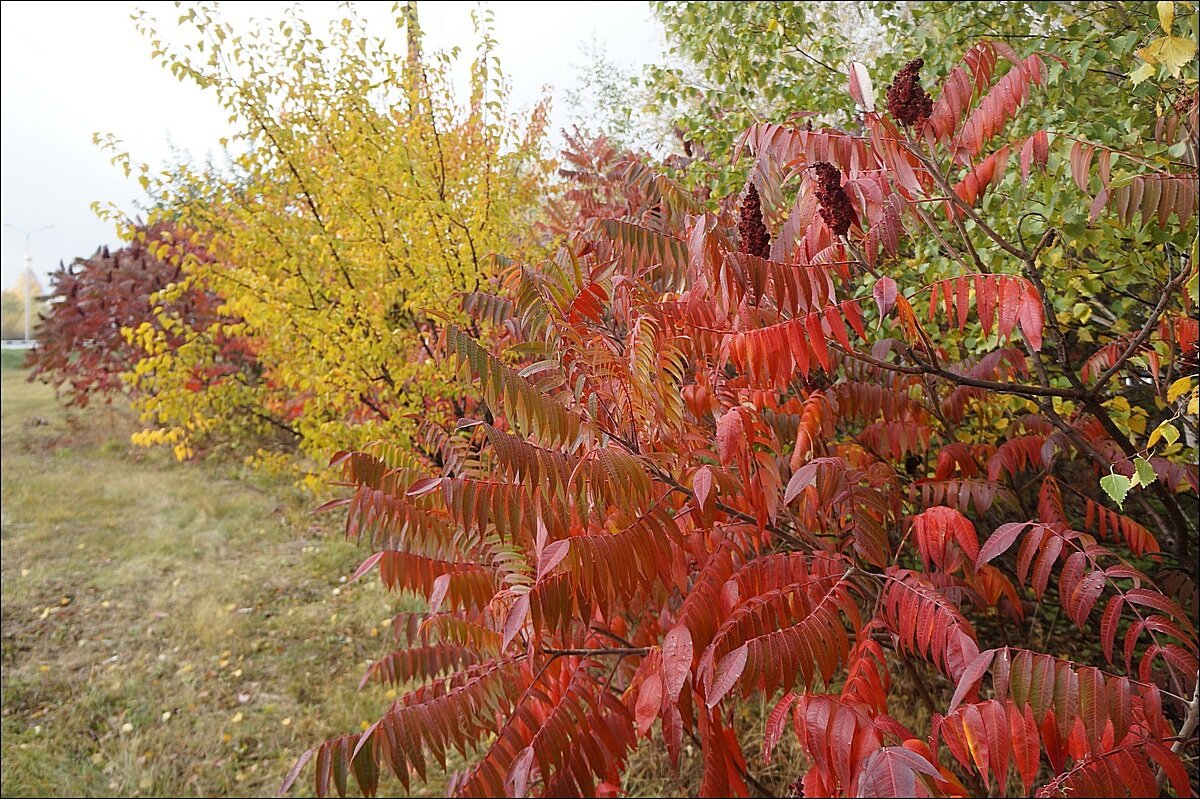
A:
(999, 542)
(515, 619)
(727, 673)
(885, 292)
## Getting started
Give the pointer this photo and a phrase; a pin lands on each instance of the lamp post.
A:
(28, 267)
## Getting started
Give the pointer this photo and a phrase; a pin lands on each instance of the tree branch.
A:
(1143, 334)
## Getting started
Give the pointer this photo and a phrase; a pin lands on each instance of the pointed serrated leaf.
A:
(366, 566)
(776, 722)
(1143, 471)
(1117, 487)
(440, 586)
(862, 91)
(292, 774)
(677, 660)
(515, 620)
(801, 479)
(1025, 742)
(518, 776)
(885, 293)
(891, 771)
(999, 542)
(425, 485)
(649, 701)
(702, 485)
(972, 674)
(727, 673)
(552, 555)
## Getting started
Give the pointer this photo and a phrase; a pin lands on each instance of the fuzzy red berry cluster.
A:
(836, 209)
(752, 233)
(907, 102)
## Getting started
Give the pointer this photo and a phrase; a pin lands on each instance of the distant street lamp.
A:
(28, 268)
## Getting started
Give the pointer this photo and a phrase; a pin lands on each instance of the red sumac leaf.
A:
(649, 701)
(294, 772)
(1025, 741)
(426, 485)
(366, 566)
(727, 673)
(802, 478)
(1031, 317)
(731, 435)
(999, 542)
(885, 292)
(1084, 597)
(892, 770)
(441, 584)
(677, 660)
(515, 620)
(776, 723)
(552, 555)
(971, 676)
(702, 484)
(518, 776)
(1172, 767)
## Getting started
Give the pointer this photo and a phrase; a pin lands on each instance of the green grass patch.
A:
(12, 359)
(169, 629)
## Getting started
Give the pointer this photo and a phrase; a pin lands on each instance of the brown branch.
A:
(1143, 334)
(746, 517)
(922, 368)
(966, 208)
(1190, 722)
(622, 651)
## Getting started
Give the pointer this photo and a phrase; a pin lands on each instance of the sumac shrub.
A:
(699, 475)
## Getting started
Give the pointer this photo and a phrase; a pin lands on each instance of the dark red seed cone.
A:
(752, 233)
(907, 102)
(836, 209)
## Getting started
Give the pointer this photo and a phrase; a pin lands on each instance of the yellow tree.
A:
(359, 194)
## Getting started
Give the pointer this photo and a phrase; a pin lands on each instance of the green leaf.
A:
(1117, 487)
(1143, 472)
(1142, 73)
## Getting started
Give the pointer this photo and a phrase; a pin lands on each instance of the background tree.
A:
(734, 65)
(13, 320)
(359, 193)
(106, 311)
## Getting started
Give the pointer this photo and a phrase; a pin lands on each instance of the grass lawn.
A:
(168, 629)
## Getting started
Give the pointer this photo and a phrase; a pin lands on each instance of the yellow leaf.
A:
(1144, 72)
(1173, 52)
(1166, 14)
(1179, 388)
(1165, 431)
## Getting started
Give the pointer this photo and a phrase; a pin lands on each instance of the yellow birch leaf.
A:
(1179, 388)
(1173, 52)
(1166, 14)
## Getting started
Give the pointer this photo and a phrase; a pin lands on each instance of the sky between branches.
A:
(68, 70)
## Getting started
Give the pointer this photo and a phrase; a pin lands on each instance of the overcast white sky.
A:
(68, 70)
